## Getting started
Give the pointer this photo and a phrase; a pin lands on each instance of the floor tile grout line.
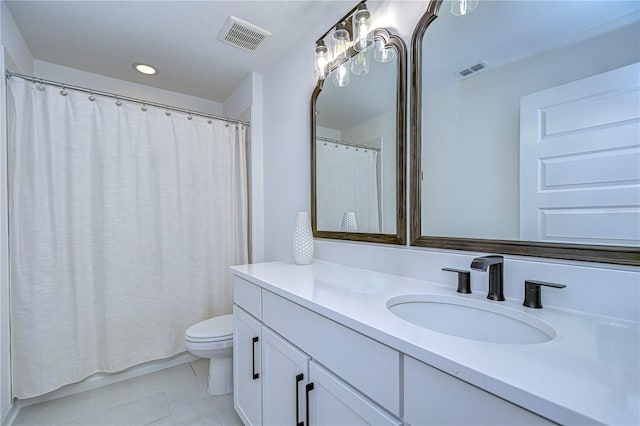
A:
(193, 370)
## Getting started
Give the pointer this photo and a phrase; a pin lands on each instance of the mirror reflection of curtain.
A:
(346, 181)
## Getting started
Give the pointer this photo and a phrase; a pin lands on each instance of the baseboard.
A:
(104, 379)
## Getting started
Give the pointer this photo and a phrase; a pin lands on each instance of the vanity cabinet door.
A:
(331, 402)
(432, 397)
(247, 378)
(285, 373)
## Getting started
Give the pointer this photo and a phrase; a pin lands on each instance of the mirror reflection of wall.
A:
(471, 124)
(356, 151)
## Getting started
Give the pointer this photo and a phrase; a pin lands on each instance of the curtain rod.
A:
(123, 98)
(347, 143)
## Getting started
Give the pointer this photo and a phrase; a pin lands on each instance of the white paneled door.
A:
(580, 161)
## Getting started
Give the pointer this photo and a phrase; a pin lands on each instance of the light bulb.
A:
(360, 63)
(361, 35)
(341, 75)
(321, 59)
(463, 7)
(383, 53)
(340, 42)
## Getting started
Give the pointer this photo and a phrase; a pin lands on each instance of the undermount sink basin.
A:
(471, 319)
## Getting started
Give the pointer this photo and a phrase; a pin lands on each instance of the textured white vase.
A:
(302, 240)
(349, 223)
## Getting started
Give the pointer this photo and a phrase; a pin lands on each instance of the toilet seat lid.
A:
(212, 328)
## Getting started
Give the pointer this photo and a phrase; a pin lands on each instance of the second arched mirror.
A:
(524, 129)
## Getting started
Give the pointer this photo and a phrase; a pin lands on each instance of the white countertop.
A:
(589, 373)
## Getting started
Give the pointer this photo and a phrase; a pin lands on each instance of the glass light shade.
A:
(341, 75)
(463, 7)
(360, 62)
(340, 42)
(361, 34)
(321, 60)
(383, 53)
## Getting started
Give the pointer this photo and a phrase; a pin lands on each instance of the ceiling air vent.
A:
(242, 34)
(472, 70)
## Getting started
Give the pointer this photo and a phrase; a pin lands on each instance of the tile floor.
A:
(175, 396)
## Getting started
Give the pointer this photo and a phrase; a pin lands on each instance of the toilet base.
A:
(220, 376)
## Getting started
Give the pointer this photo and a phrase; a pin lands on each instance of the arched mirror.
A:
(525, 129)
(358, 145)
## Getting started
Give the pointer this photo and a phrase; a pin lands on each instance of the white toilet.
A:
(213, 339)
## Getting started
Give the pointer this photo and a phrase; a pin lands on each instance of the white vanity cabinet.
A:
(432, 397)
(333, 402)
(285, 375)
(277, 383)
(247, 386)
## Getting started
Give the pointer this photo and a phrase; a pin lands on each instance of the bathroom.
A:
(274, 97)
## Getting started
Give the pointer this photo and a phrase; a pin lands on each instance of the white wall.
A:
(18, 57)
(245, 103)
(474, 126)
(103, 83)
(326, 132)
(5, 336)
(286, 137)
(14, 56)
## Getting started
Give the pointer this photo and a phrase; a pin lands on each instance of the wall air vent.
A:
(242, 34)
(472, 70)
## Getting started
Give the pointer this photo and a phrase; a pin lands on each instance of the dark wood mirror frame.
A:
(401, 148)
(582, 252)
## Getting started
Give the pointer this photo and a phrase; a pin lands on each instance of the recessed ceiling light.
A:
(145, 69)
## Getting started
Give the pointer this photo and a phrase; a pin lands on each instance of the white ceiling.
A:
(500, 32)
(178, 37)
(365, 97)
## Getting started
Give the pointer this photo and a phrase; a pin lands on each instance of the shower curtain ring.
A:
(41, 87)
(209, 120)
(118, 102)
(189, 117)
(144, 107)
(167, 113)
(63, 92)
(91, 97)
(226, 124)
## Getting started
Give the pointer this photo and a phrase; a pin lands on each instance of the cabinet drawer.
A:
(369, 366)
(432, 397)
(248, 296)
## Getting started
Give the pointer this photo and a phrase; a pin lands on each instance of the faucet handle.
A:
(464, 279)
(533, 293)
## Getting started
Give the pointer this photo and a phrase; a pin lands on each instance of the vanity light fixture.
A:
(145, 69)
(463, 7)
(339, 58)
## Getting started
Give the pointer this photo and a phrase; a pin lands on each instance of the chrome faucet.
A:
(495, 265)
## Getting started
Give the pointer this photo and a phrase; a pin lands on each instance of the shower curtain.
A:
(123, 222)
(346, 181)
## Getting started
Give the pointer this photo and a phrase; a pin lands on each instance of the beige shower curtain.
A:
(123, 224)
